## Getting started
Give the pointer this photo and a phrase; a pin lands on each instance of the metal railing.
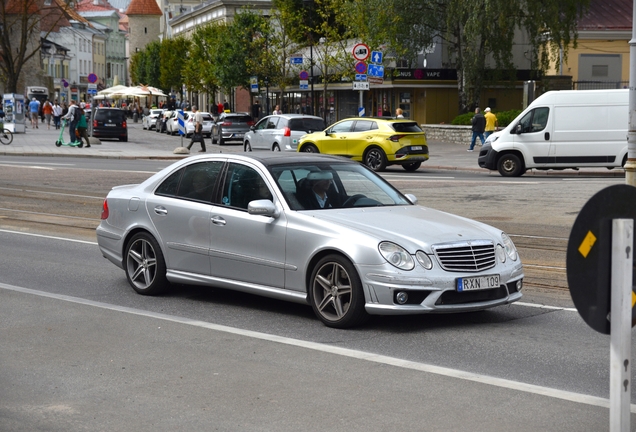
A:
(599, 85)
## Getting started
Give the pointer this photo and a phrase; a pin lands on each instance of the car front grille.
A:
(475, 255)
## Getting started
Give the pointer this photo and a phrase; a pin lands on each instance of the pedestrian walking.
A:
(491, 122)
(34, 109)
(256, 111)
(399, 113)
(479, 125)
(47, 110)
(219, 108)
(197, 135)
(57, 114)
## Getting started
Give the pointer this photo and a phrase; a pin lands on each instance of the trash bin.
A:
(136, 117)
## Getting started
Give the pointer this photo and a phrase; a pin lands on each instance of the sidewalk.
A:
(143, 144)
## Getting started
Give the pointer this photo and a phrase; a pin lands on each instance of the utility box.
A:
(14, 110)
(528, 93)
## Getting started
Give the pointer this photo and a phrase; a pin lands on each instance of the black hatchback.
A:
(110, 123)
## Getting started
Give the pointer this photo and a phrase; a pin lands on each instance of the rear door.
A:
(364, 133)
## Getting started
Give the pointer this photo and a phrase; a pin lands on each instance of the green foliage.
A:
(503, 118)
(152, 65)
(173, 54)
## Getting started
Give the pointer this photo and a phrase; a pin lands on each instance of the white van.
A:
(562, 129)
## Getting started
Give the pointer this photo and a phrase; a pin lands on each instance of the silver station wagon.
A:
(308, 228)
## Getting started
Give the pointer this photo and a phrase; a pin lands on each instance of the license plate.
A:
(416, 147)
(238, 135)
(477, 283)
(110, 125)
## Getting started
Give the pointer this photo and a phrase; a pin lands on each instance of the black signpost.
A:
(600, 267)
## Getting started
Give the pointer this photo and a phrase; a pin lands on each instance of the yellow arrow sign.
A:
(586, 245)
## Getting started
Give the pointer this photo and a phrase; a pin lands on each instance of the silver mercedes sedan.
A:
(308, 228)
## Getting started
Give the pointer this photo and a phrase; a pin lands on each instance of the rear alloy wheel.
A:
(144, 265)
(335, 293)
(247, 146)
(375, 159)
(510, 165)
(310, 148)
(413, 166)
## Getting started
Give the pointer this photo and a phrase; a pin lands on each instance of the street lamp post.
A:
(310, 5)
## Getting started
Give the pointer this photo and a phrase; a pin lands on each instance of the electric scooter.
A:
(60, 141)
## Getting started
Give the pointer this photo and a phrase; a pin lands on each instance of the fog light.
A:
(519, 285)
(402, 297)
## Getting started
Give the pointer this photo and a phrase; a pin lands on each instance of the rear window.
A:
(307, 124)
(406, 127)
(116, 115)
(206, 117)
(238, 119)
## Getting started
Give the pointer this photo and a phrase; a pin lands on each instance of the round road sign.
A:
(303, 75)
(361, 52)
(361, 67)
(92, 78)
(589, 253)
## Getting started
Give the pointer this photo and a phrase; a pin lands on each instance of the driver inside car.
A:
(314, 190)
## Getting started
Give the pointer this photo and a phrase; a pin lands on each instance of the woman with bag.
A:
(197, 136)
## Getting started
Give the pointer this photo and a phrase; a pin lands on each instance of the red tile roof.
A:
(143, 7)
(607, 15)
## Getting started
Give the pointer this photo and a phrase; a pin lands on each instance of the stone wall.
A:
(448, 133)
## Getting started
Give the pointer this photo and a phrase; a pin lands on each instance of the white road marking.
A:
(51, 193)
(49, 237)
(345, 352)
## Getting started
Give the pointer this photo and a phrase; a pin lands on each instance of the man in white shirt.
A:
(197, 136)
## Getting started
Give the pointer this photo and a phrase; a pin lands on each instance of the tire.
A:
(247, 146)
(58, 143)
(80, 145)
(375, 159)
(6, 137)
(413, 166)
(220, 140)
(276, 147)
(309, 148)
(510, 165)
(335, 293)
(624, 161)
(144, 265)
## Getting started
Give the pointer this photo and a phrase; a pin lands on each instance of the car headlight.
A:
(396, 256)
(509, 246)
(424, 260)
(491, 139)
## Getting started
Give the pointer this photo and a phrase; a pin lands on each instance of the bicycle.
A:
(6, 136)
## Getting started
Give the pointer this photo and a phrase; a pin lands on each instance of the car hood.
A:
(413, 227)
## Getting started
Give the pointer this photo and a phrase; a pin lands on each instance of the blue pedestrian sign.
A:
(375, 71)
(376, 57)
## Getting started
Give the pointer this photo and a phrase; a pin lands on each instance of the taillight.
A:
(395, 138)
(105, 210)
(226, 123)
(94, 123)
(123, 124)
(287, 132)
(250, 123)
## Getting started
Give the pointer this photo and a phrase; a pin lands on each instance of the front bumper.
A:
(487, 157)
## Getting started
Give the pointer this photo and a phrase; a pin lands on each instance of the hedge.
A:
(503, 118)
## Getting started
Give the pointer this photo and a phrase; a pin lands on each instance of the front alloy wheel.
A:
(144, 265)
(335, 293)
(510, 165)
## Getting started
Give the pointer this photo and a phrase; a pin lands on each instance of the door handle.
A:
(218, 220)
(547, 136)
(161, 210)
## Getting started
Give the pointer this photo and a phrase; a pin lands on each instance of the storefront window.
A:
(405, 104)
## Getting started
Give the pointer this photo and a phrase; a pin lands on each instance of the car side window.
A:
(344, 126)
(262, 124)
(272, 122)
(198, 180)
(535, 120)
(170, 185)
(242, 185)
(363, 125)
(282, 123)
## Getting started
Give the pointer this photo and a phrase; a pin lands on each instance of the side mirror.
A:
(262, 207)
(411, 198)
(517, 129)
(251, 128)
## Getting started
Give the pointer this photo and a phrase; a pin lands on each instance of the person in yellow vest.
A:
(491, 122)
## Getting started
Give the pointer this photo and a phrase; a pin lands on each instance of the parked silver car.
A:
(231, 127)
(308, 228)
(281, 132)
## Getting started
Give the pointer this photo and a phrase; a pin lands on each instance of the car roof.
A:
(278, 158)
(294, 115)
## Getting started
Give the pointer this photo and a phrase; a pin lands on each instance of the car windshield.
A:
(332, 185)
(406, 127)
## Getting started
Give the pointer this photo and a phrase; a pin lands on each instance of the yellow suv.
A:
(376, 142)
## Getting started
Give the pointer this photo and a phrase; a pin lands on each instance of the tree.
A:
(173, 54)
(478, 35)
(199, 70)
(22, 23)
